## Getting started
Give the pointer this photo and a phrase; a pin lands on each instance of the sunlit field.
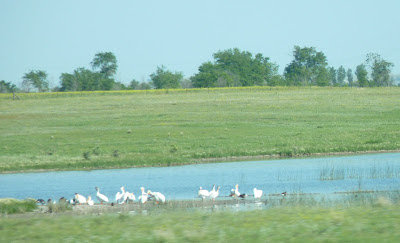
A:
(91, 130)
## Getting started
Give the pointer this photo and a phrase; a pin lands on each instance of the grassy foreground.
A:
(90, 130)
(299, 224)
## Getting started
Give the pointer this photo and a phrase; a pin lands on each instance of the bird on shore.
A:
(257, 193)
(284, 194)
(143, 197)
(41, 201)
(214, 193)
(129, 197)
(203, 193)
(90, 202)
(235, 192)
(119, 197)
(79, 198)
(159, 197)
(101, 197)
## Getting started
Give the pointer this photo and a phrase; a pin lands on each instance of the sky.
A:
(61, 36)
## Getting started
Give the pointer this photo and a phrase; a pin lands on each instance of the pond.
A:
(322, 175)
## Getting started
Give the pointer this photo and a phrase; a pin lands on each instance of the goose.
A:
(257, 193)
(214, 193)
(203, 193)
(143, 197)
(119, 197)
(101, 197)
(90, 201)
(79, 198)
(159, 197)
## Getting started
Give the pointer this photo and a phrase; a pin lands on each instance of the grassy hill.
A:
(89, 130)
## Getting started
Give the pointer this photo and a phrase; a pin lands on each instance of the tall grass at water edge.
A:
(12, 206)
(377, 171)
(92, 130)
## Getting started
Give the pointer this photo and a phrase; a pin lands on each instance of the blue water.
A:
(365, 172)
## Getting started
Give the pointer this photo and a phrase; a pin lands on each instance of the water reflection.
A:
(305, 175)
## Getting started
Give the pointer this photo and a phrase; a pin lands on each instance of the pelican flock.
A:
(123, 196)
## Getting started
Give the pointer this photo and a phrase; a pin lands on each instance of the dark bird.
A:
(41, 201)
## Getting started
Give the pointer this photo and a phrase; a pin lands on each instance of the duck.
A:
(214, 193)
(257, 193)
(79, 198)
(101, 197)
(119, 197)
(203, 193)
(143, 197)
(90, 202)
(41, 201)
(158, 196)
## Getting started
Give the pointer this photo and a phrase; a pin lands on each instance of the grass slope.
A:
(90, 130)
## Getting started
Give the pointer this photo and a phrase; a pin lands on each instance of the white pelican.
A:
(129, 197)
(214, 193)
(159, 197)
(119, 197)
(203, 193)
(237, 193)
(257, 193)
(143, 197)
(101, 197)
(79, 198)
(90, 201)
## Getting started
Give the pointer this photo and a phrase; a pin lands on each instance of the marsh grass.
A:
(59, 207)
(377, 171)
(13, 206)
(54, 130)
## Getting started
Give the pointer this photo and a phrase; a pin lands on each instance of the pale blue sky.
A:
(60, 36)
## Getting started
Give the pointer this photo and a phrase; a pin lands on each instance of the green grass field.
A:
(285, 224)
(91, 130)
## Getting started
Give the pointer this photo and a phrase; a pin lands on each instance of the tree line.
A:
(230, 68)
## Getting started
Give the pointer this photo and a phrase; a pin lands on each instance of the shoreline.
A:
(222, 160)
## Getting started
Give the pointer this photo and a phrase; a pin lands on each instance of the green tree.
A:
(133, 84)
(362, 75)
(7, 87)
(250, 71)
(380, 70)
(350, 77)
(165, 79)
(85, 80)
(308, 67)
(341, 75)
(233, 67)
(333, 75)
(207, 76)
(106, 63)
(37, 79)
